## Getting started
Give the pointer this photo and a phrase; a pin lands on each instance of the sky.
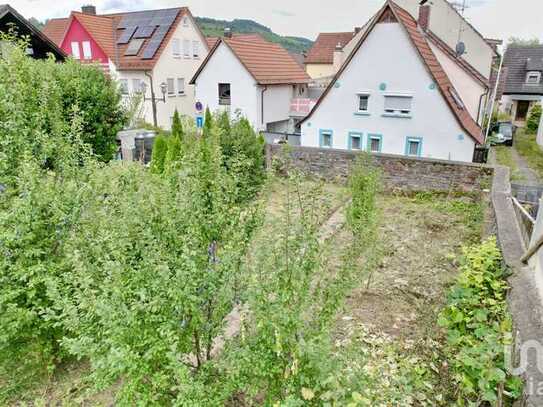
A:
(306, 18)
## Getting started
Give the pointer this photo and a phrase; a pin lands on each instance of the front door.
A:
(522, 110)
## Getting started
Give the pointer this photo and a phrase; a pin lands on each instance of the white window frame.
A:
(186, 48)
(196, 49)
(136, 85)
(176, 48)
(76, 53)
(123, 85)
(536, 74)
(180, 86)
(358, 97)
(87, 50)
(398, 112)
(171, 86)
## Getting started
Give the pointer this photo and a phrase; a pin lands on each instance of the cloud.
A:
(124, 5)
(283, 13)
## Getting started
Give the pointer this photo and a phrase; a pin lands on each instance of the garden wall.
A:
(399, 173)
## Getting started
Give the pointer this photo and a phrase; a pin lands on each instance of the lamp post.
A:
(153, 99)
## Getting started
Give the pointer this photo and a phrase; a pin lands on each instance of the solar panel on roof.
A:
(126, 35)
(134, 47)
(154, 44)
(144, 31)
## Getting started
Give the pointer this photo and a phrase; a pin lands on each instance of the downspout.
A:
(264, 89)
(153, 101)
(480, 104)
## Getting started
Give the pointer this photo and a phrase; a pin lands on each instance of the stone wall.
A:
(399, 173)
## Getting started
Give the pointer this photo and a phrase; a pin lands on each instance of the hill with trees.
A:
(215, 28)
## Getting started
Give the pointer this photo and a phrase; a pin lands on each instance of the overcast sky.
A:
(306, 18)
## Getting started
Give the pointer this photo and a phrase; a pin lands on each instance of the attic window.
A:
(134, 47)
(224, 94)
(456, 98)
(185, 21)
(533, 78)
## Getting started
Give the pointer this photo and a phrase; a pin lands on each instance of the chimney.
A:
(227, 32)
(424, 17)
(89, 9)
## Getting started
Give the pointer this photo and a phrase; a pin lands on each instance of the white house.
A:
(258, 79)
(393, 96)
(146, 51)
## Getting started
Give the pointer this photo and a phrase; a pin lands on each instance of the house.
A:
(522, 68)
(393, 96)
(245, 73)
(152, 52)
(319, 62)
(40, 46)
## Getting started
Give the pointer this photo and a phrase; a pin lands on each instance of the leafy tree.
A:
(177, 127)
(158, 158)
(208, 123)
(526, 42)
(98, 99)
(532, 124)
(174, 153)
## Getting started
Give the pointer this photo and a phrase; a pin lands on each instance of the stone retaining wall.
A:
(399, 173)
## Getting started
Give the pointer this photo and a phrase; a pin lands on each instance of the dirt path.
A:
(529, 176)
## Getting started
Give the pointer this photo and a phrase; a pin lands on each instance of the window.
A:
(176, 47)
(87, 53)
(224, 94)
(181, 86)
(413, 146)
(195, 49)
(171, 86)
(185, 21)
(124, 86)
(355, 141)
(363, 103)
(326, 138)
(533, 78)
(75, 50)
(374, 143)
(134, 47)
(136, 85)
(186, 48)
(397, 104)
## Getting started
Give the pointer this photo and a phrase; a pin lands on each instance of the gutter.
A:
(264, 89)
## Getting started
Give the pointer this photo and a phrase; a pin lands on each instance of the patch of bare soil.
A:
(405, 293)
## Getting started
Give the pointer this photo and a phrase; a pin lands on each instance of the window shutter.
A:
(75, 50)
(398, 103)
(181, 86)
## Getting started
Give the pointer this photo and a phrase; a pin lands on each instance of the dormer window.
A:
(533, 78)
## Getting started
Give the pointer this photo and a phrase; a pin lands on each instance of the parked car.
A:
(503, 133)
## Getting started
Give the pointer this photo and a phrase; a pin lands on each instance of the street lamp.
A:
(153, 99)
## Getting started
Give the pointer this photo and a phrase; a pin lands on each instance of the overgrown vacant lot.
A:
(386, 336)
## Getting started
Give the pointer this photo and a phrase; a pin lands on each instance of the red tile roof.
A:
(268, 63)
(433, 66)
(322, 51)
(103, 29)
(55, 29)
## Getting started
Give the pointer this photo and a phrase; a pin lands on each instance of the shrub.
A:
(158, 158)
(177, 127)
(532, 124)
(479, 327)
(208, 123)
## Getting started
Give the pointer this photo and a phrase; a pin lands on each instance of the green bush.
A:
(479, 327)
(158, 158)
(532, 124)
(177, 127)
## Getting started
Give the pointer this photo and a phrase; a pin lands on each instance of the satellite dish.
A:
(460, 48)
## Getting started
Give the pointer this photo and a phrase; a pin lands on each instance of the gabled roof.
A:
(101, 29)
(465, 65)
(41, 44)
(106, 29)
(268, 63)
(322, 51)
(518, 60)
(392, 11)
